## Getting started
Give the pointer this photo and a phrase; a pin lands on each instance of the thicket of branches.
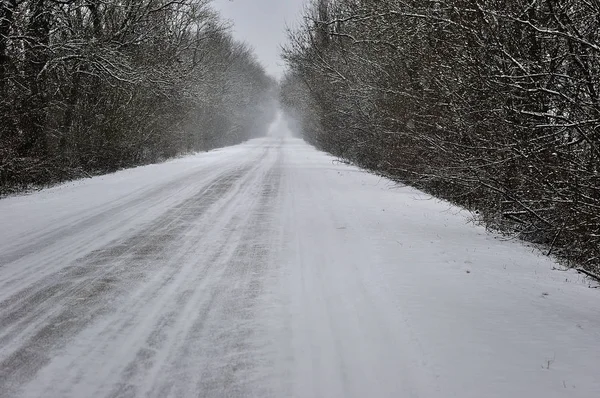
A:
(89, 86)
(493, 105)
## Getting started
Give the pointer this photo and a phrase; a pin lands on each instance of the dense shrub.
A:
(493, 105)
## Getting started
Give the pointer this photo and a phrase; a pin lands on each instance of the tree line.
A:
(492, 105)
(91, 86)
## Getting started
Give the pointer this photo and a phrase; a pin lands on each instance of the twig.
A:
(588, 273)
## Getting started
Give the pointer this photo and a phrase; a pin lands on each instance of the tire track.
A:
(176, 361)
(70, 300)
(146, 204)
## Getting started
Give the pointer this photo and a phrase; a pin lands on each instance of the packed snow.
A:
(270, 269)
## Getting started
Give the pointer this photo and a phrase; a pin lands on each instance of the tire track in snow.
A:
(115, 208)
(209, 353)
(28, 261)
(41, 319)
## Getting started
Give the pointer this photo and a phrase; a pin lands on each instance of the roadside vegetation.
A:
(492, 105)
(91, 86)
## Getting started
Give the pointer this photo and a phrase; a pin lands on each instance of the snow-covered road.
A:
(269, 270)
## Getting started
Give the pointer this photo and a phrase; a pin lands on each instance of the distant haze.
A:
(262, 24)
(279, 127)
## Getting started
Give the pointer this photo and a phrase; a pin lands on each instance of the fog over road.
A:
(270, 270)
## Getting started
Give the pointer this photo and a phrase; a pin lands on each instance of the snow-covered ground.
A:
(267, 269)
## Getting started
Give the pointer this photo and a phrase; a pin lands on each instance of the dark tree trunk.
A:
(33, 121)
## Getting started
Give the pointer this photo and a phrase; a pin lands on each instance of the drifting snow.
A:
(267, 269)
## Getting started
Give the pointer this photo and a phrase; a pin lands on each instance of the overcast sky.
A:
(261, 24)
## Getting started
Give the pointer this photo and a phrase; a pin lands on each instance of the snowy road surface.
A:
(268, 270)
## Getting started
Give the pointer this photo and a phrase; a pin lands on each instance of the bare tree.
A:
(492, 105)
(89, 86)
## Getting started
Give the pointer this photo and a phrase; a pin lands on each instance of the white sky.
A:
(261, 24)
